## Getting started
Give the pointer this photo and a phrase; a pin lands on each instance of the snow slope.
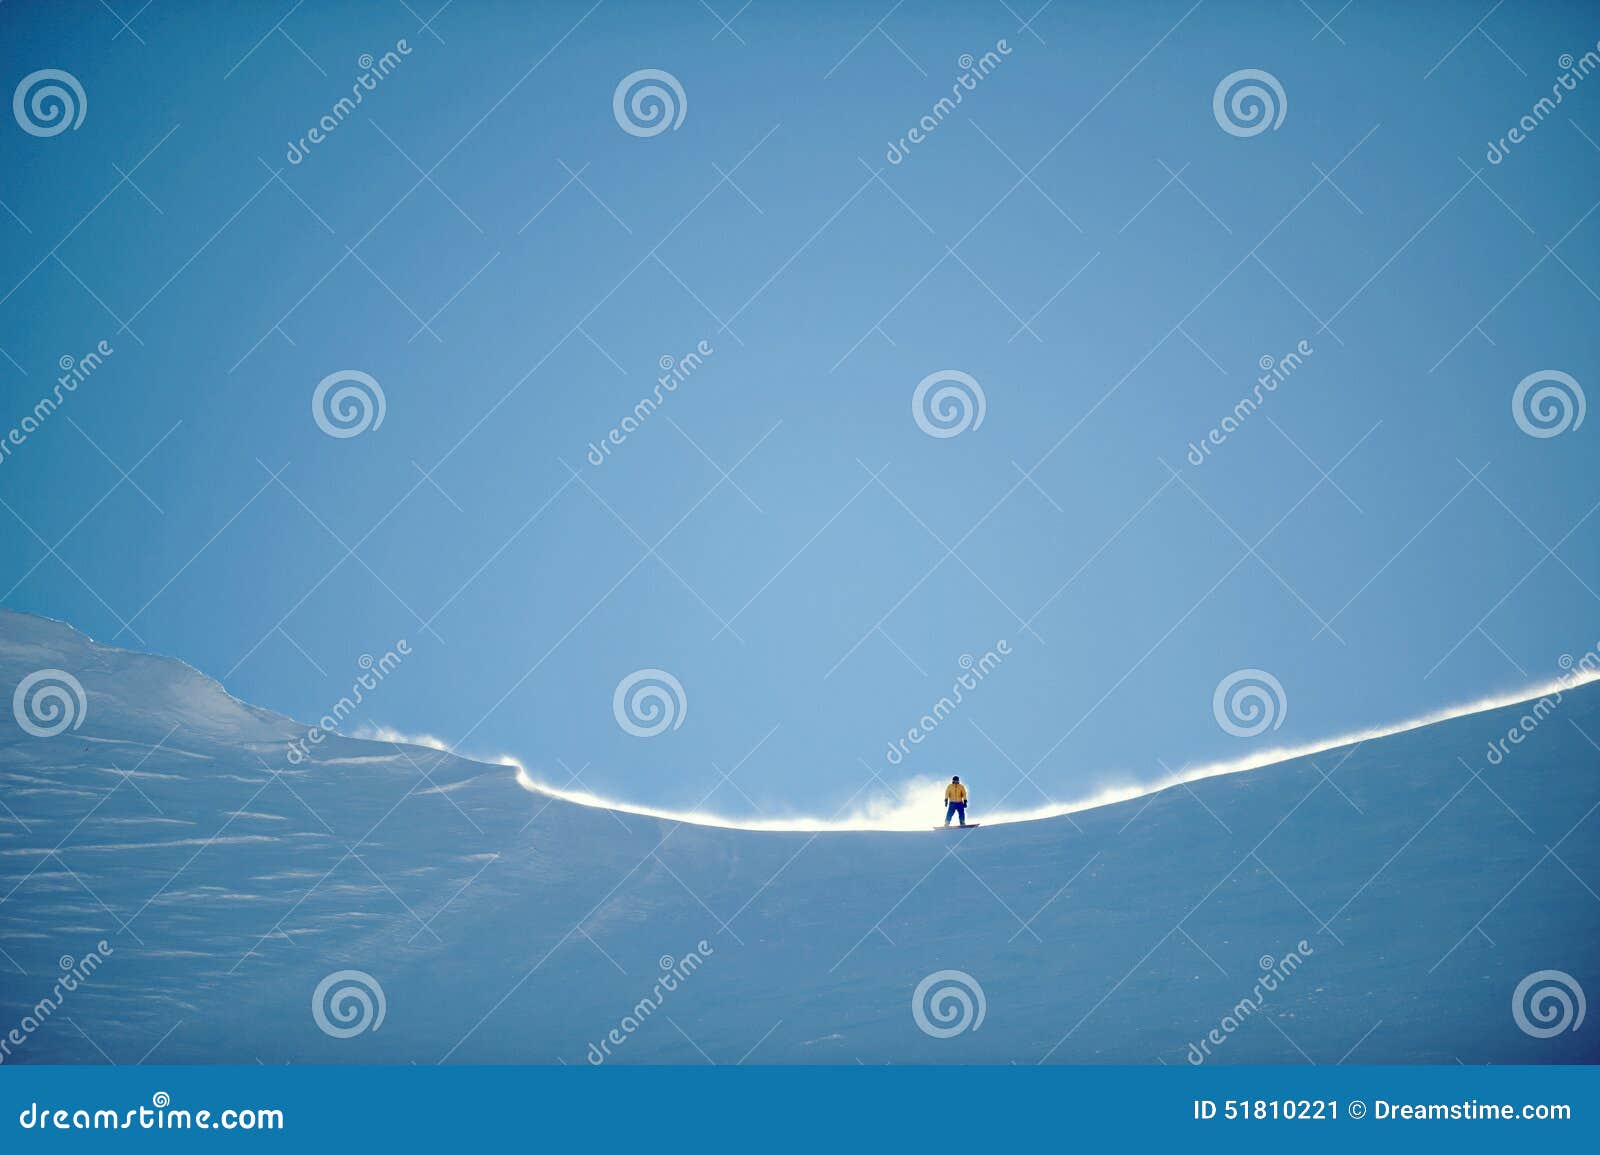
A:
(503, 926)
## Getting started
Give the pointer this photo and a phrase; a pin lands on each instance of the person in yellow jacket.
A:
(955, 797)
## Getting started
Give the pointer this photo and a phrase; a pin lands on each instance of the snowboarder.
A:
(955, 796)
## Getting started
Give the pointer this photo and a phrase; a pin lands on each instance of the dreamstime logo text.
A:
(348, 403)
(974, 670)
(74, 973)
(675, 972)
(948, 403)
(1249, 701)
(1274, 972)
(1547, 403)
(649, 102)
(1572, 71)
(48, 102)
(161, 1115)
(372, 71)
(675, 371)
(1248, 102)
(1274, 372)
(74, 372)
(348, 1003)
(49, 702)
(1573, 673)
(972, 71)
(647, 702)
(373, 672)
(1546, 1003)
(947, 1003)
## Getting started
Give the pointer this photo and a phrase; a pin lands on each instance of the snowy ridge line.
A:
(902, 814)
(250, 707)
(882, 813)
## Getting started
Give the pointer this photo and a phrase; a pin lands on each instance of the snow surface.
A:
(507, 926)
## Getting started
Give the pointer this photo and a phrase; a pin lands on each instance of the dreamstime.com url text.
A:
(160, 1115)
(1312, 1110)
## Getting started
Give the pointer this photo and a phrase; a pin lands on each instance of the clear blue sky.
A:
(1079, 235)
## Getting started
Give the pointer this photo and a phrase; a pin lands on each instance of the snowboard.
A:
(952, 826)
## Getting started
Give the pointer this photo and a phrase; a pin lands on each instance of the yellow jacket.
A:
(955, 792)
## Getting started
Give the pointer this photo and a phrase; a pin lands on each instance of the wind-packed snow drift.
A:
(172, 891)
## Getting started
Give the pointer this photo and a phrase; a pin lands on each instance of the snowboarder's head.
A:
(955, 777)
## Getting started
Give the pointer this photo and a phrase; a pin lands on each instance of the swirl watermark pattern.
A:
(948, 403)
(1547, 1003)
(648, 102)
(648, 702)
(348, 1003)
(350, 410)
(49, 702)
(948, 1003)
(1248, 102)
(1248, 702)
(1548, 403)
(48, 102)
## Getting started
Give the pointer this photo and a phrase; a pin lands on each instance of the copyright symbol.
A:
(1358, 1109)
